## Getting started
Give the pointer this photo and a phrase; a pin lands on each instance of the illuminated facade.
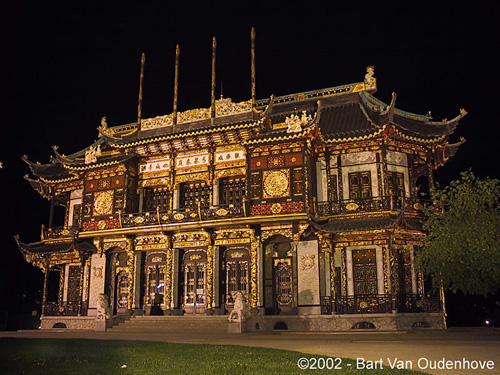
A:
(308, 204)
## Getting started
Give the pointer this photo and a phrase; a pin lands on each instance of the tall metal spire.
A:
(176, 85)
(212, 106)
(252, 35)
(141, 81)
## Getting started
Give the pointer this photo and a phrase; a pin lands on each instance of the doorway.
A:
(195, 281)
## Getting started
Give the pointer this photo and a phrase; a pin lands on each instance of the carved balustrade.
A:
(182, 215)
(59, 232)
(64, 309)
(363, 304)
(385, 203)
(381, 303)
(416, 303)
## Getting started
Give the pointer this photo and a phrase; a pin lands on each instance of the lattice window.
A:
(360, 185)
(156, 198)
(284, 289)
(232, 191)
(364, 270)
(396, 184)
(194, 193)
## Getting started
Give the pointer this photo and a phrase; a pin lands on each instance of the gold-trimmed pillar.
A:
(210, 280)
(169, 275)
(255, 245)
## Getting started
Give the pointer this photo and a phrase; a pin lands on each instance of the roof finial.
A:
(370, 80)
(252, 35)
(141, 80)
(176, 85)
(212, 106)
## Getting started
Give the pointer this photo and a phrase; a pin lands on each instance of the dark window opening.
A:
(53, 284)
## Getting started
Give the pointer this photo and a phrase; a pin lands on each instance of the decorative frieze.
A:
(151, 242)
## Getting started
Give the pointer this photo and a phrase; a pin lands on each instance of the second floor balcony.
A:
(372, 204)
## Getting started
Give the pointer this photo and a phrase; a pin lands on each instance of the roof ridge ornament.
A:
(370, 80)
(92, 153)
(294, 122)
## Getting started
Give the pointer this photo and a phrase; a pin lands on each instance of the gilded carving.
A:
(210, 276)
(276, 208)
(276, 183)
(294, 123)
(103, 203)
(284, 232)
(203, 176)
(370, 80)
(229, 172)
(92, 154)
(156, 122)
(254, 253)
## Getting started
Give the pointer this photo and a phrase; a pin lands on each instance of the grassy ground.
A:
(100, 357)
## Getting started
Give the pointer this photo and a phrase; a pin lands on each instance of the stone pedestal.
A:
(236, 326)
(100, 325)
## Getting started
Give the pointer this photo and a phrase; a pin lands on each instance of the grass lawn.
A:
(100, 357)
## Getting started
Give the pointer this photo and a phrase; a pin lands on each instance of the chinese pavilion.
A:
(308, 204)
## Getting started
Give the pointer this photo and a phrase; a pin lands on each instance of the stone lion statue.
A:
(240, 310)
(103, 310)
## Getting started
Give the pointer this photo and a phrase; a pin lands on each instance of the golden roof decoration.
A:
(223, 107)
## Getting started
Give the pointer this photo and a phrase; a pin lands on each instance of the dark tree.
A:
(462, 249)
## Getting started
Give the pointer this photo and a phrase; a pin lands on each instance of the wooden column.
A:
(45, 284)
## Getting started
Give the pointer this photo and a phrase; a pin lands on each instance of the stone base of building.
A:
(346, 323)
(69, 322)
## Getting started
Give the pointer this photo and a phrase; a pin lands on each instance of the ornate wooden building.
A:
(308, 204)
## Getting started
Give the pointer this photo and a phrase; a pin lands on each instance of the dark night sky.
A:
(65, 66)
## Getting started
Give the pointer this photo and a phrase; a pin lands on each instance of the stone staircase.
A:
(216, 324)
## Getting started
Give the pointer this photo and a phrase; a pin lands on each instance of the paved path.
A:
(473, 344)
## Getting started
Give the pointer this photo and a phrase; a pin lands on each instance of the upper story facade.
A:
(329, 156)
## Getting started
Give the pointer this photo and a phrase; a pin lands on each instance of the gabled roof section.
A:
(52, 169)
(411, 124)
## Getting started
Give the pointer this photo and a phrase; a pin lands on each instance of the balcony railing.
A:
(182, 215)
(380, 303)
(415, 303)
(59, 232)
(386, 203)
(362, 304)
(64, 309)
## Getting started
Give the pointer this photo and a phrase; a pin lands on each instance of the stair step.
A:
(174, 324)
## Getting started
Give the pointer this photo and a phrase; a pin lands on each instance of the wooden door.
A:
(195, 275)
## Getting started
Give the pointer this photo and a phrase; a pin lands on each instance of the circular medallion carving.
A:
(277, 183)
